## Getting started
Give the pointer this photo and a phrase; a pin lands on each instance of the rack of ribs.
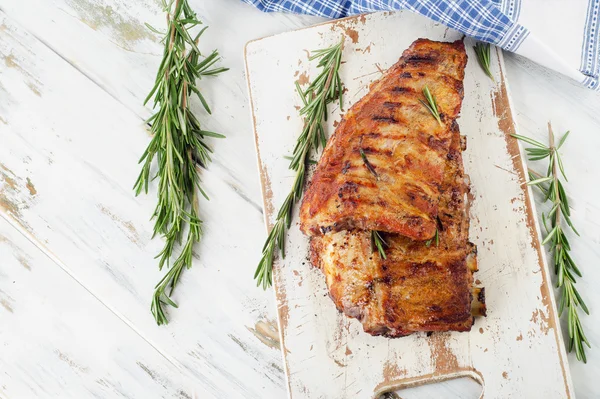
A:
(391, 167)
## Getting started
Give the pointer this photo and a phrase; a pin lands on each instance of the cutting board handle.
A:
(404, 383)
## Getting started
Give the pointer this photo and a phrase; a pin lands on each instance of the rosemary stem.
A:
(555, 176)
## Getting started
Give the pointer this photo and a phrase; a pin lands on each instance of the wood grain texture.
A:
(56, 341)
(539, 96)
(94, 37)
(115, 50)
(516, 350)
(69, 159)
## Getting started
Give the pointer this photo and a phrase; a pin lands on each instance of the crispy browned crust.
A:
(403, 143)
(419, 287)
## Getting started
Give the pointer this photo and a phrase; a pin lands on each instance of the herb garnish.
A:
(431, 104)
(179, 146)
(368, 164)
(378, 243)
(436, 239)
(560, 215)
(484, 56)
(325, 89)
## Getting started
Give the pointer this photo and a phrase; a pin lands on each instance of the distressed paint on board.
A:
(327, 354)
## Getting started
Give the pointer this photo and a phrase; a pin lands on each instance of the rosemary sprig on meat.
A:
(558, 219)
(378, 243)
(431, 104)
(435, 239)
(325, 89)
(484, 56)
(179, 146)
(368, 164)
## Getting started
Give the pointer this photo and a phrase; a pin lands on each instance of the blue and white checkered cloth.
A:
(560, 35)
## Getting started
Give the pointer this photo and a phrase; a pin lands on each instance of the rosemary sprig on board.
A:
(559, 217)
(378, 243)
(325, 89)
(431, 104)
(484, 56)
(179, 145)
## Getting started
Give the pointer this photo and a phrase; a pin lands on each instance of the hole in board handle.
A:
(464, 385)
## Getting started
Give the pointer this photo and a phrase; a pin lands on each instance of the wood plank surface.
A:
(114, 49)
(69, 159)
(104, 41)
(59, 340)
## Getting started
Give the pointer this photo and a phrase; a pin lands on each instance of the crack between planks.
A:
(31, 238)
(235, 189)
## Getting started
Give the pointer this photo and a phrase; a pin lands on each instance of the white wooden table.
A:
(76, 260)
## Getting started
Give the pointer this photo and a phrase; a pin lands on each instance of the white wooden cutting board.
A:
(517, 351)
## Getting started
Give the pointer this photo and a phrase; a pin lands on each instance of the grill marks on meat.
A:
(419, 287)
(404, 143)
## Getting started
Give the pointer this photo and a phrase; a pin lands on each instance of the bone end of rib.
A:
(478, 307)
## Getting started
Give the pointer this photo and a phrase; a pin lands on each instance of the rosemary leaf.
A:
(483, 56)
(539, 181)
(368, 164)
(325, 89)
(378, 243)
(436, 239)
(309, 161)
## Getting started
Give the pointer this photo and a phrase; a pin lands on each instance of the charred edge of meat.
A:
(326, 229)
(467, 181)
(472, 259)
(478, 307)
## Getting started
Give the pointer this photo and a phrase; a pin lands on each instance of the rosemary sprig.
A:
(484, 56)
(559, 215)
(178, 144)
(378, 243)
(368, 164)
(431, 104)
(325, 89)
